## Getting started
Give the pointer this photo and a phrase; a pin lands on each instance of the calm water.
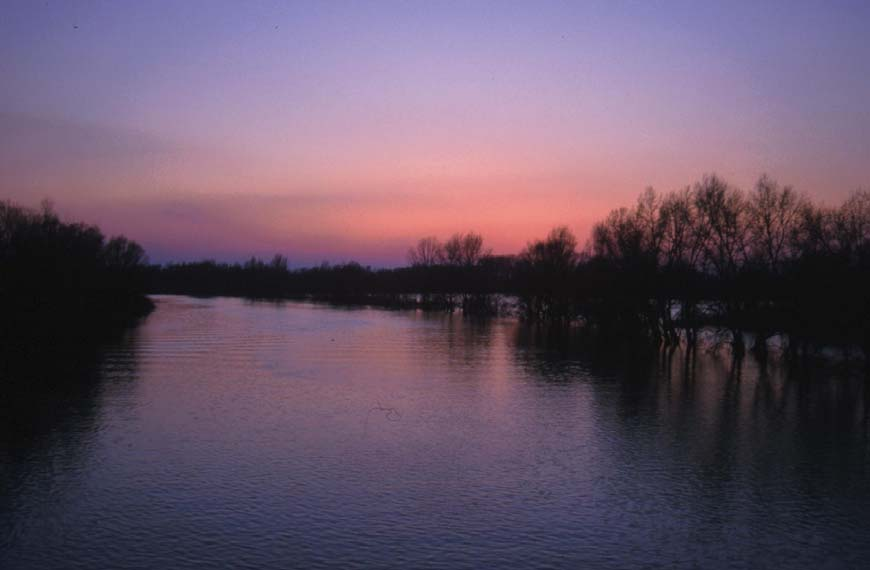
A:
(228, 434)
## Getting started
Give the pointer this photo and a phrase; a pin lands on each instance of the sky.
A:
(347, 130)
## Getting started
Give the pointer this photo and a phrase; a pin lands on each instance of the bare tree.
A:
(453, 250)
(427, 252)
(722, 215)
(650, 222)
(682, 239)
(557, 253)
(472, 249)
(774, 217)
(852, 225)
(619, 237)
(464, 249)
(816, 230)
(632, 237)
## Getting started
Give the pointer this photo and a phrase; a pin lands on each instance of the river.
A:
(234, 434)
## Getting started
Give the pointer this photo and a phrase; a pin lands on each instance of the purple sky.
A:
(346, 130)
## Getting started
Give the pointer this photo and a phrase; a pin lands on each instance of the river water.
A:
(232, 434)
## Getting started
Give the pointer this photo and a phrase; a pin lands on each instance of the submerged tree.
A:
(546, 272)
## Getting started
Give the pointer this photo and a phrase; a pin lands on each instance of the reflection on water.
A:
(292, 435)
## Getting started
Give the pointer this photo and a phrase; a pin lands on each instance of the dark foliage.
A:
(64, 281)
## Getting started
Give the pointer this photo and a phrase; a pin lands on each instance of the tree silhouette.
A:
(547, 267)
(53, 273)
(774, 217)
(428, 252)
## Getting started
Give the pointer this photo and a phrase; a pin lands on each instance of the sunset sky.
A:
(346, 130)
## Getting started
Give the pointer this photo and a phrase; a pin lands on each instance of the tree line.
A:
(708, 256)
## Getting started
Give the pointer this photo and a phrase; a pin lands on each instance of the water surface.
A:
(225, 433)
